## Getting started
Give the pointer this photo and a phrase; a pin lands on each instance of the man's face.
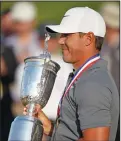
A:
(6, 23)
(23, 27)
(72, 46)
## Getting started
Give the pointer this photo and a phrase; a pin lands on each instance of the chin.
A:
(67, 60)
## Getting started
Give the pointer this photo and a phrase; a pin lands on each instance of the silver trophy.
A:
(37, 84)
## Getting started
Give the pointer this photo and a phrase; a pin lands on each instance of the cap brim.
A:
(57, 29)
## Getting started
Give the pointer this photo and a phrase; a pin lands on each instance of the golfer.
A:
(89, 107)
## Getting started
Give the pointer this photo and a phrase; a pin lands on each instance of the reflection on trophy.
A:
(37, 84)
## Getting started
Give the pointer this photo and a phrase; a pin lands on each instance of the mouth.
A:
(64, 47)
(65, 52)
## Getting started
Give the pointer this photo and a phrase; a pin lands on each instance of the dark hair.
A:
(98, 42)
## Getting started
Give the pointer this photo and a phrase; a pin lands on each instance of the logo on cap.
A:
(65, 15)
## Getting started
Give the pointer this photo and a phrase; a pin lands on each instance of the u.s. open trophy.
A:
(37, 84)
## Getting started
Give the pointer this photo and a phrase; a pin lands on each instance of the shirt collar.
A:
(75, 71)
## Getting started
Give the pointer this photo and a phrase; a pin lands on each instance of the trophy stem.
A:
(30, 109)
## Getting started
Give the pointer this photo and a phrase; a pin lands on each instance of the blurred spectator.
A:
(6, 26)
(24, 41)
(51, 108)
(110, 49)
(8, 67)
(6, 23)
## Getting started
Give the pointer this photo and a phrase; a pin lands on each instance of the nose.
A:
(61, 40)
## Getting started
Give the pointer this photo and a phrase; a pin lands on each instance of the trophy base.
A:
(26, 128)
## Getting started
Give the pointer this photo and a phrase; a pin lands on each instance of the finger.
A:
(24, 113)
(27, 106)
(37, 108)
(41, 115)
(25, 109)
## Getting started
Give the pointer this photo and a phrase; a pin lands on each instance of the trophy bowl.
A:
(38, 80)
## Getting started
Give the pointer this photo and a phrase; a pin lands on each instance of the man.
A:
(6, 23)
(6, 27)
(8, 67)
(89, 107)
(24, 41)
(110, 49)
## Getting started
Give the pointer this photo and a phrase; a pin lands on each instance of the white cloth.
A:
(16, 85)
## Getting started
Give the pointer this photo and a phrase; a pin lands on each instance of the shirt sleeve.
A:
(93, 105)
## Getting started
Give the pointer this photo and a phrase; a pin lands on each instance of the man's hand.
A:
(38, 113)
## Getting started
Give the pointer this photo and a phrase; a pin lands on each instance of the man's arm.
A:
(96, 134)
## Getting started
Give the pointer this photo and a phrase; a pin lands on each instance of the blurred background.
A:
(22, 35)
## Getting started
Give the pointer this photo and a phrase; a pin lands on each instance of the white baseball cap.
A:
(23, 11)
(80, 19)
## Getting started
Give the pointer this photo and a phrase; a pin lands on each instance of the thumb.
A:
(43, 118)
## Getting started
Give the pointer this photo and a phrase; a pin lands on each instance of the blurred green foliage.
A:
(53, 11)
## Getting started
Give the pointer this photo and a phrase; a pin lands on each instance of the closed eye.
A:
(64, 35)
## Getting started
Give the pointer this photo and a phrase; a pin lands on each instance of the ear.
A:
(89, 38)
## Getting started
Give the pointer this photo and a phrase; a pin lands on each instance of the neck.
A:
(84, 58)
